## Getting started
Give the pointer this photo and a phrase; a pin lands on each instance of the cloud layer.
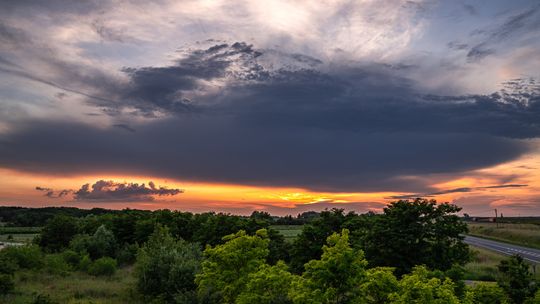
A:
(220, 115)
(341, 96)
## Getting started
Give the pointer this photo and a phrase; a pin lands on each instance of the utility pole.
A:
(496, 218)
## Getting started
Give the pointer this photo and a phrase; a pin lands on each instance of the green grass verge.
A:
(527, 235)
(483, 266)
(76, 287)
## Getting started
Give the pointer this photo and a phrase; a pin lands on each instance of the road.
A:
(529, 254)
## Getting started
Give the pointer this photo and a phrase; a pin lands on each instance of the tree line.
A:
(410, 253)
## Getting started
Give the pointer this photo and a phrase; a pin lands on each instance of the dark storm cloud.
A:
(343, 128)
(163, 89)
(50, 193)
(456, 190)
(103, 190)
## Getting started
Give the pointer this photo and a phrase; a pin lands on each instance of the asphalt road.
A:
(529, 254)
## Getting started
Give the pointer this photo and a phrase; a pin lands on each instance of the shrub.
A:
(55, 264)
(85, 263)
(6, 283)
(72, 258)
(516, 279)
(103, 267)
(7, 264)
(27, 256)
(483, 293)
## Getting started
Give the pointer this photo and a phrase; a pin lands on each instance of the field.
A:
(18, 234)
(290, 232)
(527, 235)
(76, 287)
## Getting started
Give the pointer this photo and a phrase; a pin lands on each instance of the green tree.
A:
(226, 267)
(58, 232)
(308, 245)
(102, 243)
(269, 285)
(166, 267)
(418, 232)
(418, 288)
(516, 279)
(483, 293)
(378, 285)
(334, 278)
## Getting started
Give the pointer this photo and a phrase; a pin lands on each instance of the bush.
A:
(55, 264)
(483, 293)
(6, 283)
(103, 267)
(7, 264)
(516, 279)
(85, 263)
(27, 256)
(72, 258)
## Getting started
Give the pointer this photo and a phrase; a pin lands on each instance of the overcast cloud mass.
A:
(355, 97)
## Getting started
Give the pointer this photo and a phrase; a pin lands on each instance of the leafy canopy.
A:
(226, 267)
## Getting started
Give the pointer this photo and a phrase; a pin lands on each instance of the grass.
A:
(74, 288)
(18, 234)
(483, 266)
(527, 235)
(20, 230)
(18, 238)
(290, 232)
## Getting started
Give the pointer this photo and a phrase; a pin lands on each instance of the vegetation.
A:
(515, 233)
(483, 265)
(166, 268)
(516, 279)
(411, 253)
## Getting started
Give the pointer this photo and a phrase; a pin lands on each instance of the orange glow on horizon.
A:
(18, 188)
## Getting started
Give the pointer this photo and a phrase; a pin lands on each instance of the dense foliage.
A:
(411, 253)
(420, 232)
(166, 267)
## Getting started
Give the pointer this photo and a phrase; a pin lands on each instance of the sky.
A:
(277, 106)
